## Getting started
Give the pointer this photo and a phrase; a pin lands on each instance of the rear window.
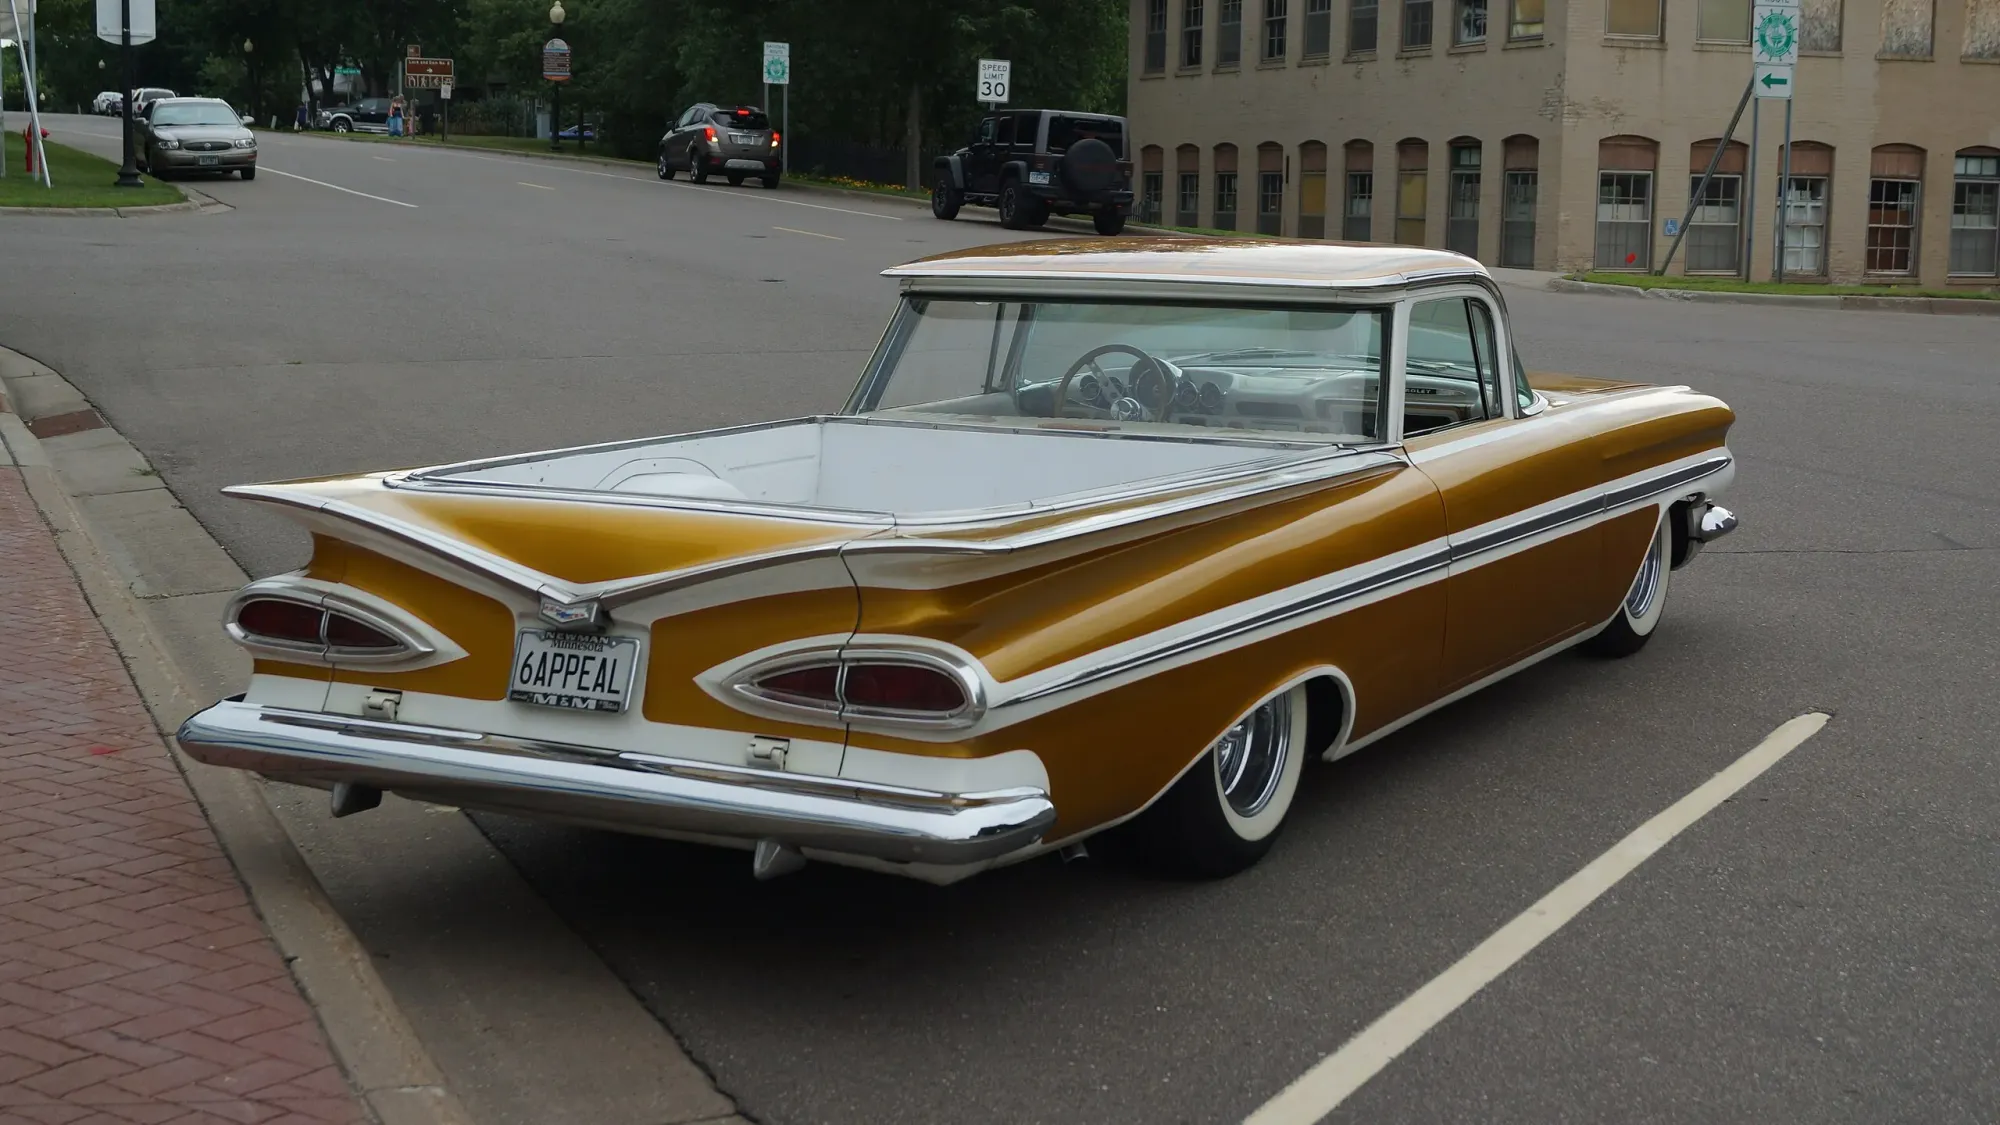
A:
(737, 119)
(1065, 131)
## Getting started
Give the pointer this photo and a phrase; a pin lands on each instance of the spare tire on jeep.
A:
(1089, 168)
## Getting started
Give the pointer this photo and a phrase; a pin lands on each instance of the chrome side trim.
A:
(1363, 585)
(633, 791)
(1496, 538)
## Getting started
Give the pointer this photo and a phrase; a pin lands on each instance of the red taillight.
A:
(817, 684)
(280, 620)
(711, 135)
(346, 632)
(903, 687)
(742, 113)
(774, 137)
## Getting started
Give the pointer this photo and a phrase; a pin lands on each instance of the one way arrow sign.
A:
(1774, 82)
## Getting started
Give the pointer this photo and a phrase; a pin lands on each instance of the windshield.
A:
(195, 113)
(1146, 366)
(743, 119)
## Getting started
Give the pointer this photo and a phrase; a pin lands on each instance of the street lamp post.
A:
(250, 73)
(128, 173)
(556, 15)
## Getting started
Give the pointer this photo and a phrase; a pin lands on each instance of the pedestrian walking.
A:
(302, 120)
(396, 117)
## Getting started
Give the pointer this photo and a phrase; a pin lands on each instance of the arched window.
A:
(1413, 190)
(1152, 176)
(1270, 188)
(1518, 199)
(1187, 186)
(1895, 192)
(1715, 227)
(1625, 169)
(1357, 210)
(1312, 190)
(1225, 187)
(1975, 213)
(1461, 215)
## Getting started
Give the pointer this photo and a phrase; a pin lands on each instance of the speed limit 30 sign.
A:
(995, 76)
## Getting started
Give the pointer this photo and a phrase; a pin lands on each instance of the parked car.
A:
(369, 115)
(1031, 163)
(177, 136)
(1107, 535)
(109, 103)
(147, 95)
(737, 142)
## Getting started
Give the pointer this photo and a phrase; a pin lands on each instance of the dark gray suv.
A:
(735, 142)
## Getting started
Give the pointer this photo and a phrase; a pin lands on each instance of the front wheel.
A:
(342, 127)
(1224, 813)
(1639, 614)
(666, 167)
(1108, 222)
(946, 200)
(249, 173)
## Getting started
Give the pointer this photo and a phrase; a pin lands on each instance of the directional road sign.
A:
(996, 76)
(426, 74)
(1773, 82)
(777, 64)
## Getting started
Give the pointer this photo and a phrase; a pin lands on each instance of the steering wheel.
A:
(1089, 359)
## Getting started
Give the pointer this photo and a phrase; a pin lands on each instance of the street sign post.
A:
(996, 78)
(426, 74)
(125, 22)
(1774, 58)
(778, 72)
(555, 61)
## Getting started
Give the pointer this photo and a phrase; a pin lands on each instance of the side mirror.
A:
(248, 120)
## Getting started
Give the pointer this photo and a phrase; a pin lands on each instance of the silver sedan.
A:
(183, 135)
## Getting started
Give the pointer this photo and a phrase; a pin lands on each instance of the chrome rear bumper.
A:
(644, 793)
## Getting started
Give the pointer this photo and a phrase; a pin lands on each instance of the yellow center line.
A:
(543, 187)
(813, 233)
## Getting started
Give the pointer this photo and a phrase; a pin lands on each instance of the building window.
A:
(1982, 30)
(1225, 188)
(1715, 228)
(1229, 33)
(1636, 18)
(1156, 36)
(1471, 27)
(1361, 22)
(1312, 190)
(1270, 202)
(1624, 220)
(1819, 26)
(1894, 196)
(1525, 21)
(1975, 214)
(1358, 221)
(1413, 191)
(1319, 28)
(1722, 21)
(1192, 12)
(1805, 226)
(1274, 30)
(1461, 218)
(1187, 209)
(1517, 220)
(1149, 197)
(1906, 28)
(1417, 25)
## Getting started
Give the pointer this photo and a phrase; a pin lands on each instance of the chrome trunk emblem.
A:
(571, 615)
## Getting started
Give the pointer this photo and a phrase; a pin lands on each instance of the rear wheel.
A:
(666, 167)
(1108, 222)
(697, 170)
(770, 183)
(1020, 210)
(1639, 614)
(946, 200)
(1224, 813)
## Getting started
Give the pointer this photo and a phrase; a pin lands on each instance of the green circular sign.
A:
(1777, 35)
(774, 71)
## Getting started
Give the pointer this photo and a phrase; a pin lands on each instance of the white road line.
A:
(337, 187)
(1320, 1090)
(814, 233)
(541, 187)
(387, 159)
(759, 196)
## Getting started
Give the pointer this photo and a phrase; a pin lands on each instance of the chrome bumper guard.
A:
(1707, 521)
(644, 793)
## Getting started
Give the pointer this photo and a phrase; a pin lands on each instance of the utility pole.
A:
(128, 174)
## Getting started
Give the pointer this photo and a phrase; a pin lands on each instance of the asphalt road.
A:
(1818, 949)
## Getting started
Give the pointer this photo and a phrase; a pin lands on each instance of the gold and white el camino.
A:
(1108, 532)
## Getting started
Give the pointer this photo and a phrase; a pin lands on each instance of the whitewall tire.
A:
(1645, 600)
(1224, 813)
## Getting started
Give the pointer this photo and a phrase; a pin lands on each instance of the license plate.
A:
(573, 671)
(207, 161)
(744, 138)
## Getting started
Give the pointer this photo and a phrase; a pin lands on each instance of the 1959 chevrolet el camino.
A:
(1108, 531)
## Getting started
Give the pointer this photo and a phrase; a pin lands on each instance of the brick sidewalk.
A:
(136, 983)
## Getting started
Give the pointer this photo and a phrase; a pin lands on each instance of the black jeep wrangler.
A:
(1031, 163)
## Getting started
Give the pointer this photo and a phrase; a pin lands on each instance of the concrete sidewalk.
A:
(136, 982)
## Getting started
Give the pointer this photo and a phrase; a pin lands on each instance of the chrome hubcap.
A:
(1250, 757)
(1646, 586)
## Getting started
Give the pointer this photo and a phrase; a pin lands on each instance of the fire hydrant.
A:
(28, 142)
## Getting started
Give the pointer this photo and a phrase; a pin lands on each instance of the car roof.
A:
(192, 98)
(1291, 263)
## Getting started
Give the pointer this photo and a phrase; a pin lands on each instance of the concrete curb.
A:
(194, 201)
(392, 1072)
(1941, 306)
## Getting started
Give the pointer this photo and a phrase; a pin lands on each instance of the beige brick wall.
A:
(1570, 90)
